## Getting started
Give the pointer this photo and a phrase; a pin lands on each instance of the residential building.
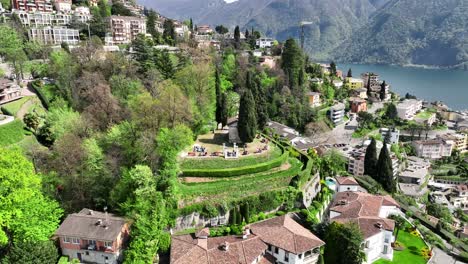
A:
(425, 118)
(358, 105)
(267, 61)
(276, 240)
(346, 184)
(54, 35)
(355, 83)
(94, 237)
(264, 43)
(361, 93)
(283, 131)
(337, 113)
(204, 30)
(370, 79)
(356, 162)
(124, 29)
(43, 19)
(433, 148)
(394, 134)
(9, 91)
(338, 83)
(408, 108)
(416, 172)
(460, 140)
(459, 196)
(81, 14)
(370, 213)
(314, 99)
(257, 53)
(64, 6)
(316, 80)
(32, 5)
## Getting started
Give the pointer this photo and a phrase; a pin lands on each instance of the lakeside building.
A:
(408, 108)
(337, 113)
(54, 35)
(264, 42)
(358, 105)
(95, 237)
(370, 213)
(370, 79)
(33, 5)
(433, 148)
(394, 134)
(355, 83)
(125, 29)
(276, 240)
(314, 99)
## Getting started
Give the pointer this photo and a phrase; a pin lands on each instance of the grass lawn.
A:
(15, 106)
(412, 254)
(11, 133)
(424, 114)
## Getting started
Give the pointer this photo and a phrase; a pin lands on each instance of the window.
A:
(308, 253)
(75, 240)
(276, 250)
(108, 244)
(387, 239)
(385, 249)
(300, 256)
(367, 244)
(269, 248)
(92, 242)
(87, 253)
(286, 256)
(66, 240)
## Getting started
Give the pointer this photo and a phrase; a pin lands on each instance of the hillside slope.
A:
(429, 32)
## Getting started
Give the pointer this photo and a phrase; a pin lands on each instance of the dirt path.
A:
(25, 108)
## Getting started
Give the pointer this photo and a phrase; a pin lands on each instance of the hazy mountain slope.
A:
(334, 20)
(430, 32)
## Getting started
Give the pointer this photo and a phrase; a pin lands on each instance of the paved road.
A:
(440, 257)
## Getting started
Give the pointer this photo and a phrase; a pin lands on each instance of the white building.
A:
(264, 43)
(81, 14)
(459, 196)
(370, 213)
(408, 108)
(124, 29)
(276, 240)
(394, 134)
(460, 140)
(416, 171)
(433, 148)
(337, 113)
(346, 184)
(63, 5)
(54, 35)
(43, 19)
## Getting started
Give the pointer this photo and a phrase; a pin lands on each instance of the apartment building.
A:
(54, 35)
(459, 196)
(358, 105)
(314, 99)
(355, 83)
(124, 29)
(276, 240)
(416, 171)
(93, 237)
(370, 213)
(337, 113)
(370, 79)
(264, 43)
(356, 159)
(460, 140)
(408, 108)
(204, 30)
(33, 5)
(434, 148)
(43, 19)
(63, 6)
(394, 134)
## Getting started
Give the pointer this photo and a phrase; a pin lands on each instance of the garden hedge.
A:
(230, 172)
(37, 88)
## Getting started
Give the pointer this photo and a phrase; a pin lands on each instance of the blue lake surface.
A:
(448, 86)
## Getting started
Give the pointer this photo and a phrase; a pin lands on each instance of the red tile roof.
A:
(346, 181)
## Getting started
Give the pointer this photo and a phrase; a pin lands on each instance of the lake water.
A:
(448, 86)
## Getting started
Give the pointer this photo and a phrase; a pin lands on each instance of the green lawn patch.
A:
(13, 107)
(11, 133)
(412, 253)
(218, 162)
(424, 114)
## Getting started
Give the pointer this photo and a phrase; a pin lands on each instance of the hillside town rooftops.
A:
(346, 181)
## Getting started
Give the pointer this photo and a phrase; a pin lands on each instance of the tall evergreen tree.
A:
(370, 159)
(369, 90)
(333, 68)
(191, 24)
(260, 103)
(169, 34)
(383, 91)
(350, 73)
(247, 34)
(237, 34)
(247, 124)
(392, 112)
(292, 61)
(225, 109)
(219, 109)
(151, 25)
(384, 173)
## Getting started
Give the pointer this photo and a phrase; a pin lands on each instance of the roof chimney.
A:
(90, 212)
(246, 233)
(379, 225)
(99, 222)
(225, 246)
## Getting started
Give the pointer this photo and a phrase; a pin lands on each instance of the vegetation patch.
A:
(11, 133)
(13, 107)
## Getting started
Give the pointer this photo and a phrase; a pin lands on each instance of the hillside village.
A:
(130, 137)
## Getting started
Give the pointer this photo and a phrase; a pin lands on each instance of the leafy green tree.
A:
(151, 25)
(439, 211)
(247, 124)
(31, 121)
(45, 135)
(25, 252)
(25, 213)
(384, 170)
(370, 159)
(221, 29)
(119, 9)
(400, 223)
(343, 244)
(104, 8)
(164, 63)
(169, 34)
(237, 34)
(124, 87)
(171, 141)
(391, 113)
(292, 61)
(364, 119)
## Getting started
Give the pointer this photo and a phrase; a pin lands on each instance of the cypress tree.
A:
(333, 68)
(247, 34)
(169, 33)
(350, 73)
(219, 110)
(238, 217)
(292, 61)
(191, 24)
(370, 159)
(237, 34)
(383, 91)
(391, 112)
(385, 170)
(369, 94)
(247, 124)
(233, 216)
(224, 110)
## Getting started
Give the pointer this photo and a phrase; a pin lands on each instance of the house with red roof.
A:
(276, 240)
(370, 213)
(346, 184)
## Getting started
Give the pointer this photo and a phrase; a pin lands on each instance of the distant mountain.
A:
(378, 31)
(428, 32)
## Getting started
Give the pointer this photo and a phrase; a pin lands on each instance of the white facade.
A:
(264, 42)
(408, 108)
(379, 246)
(124, 29)
(433, 149)
(284, 257)
(394, 134)
(337, 113)
(92, 256)
(347, 188)
(63, 5)
(54, 35)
